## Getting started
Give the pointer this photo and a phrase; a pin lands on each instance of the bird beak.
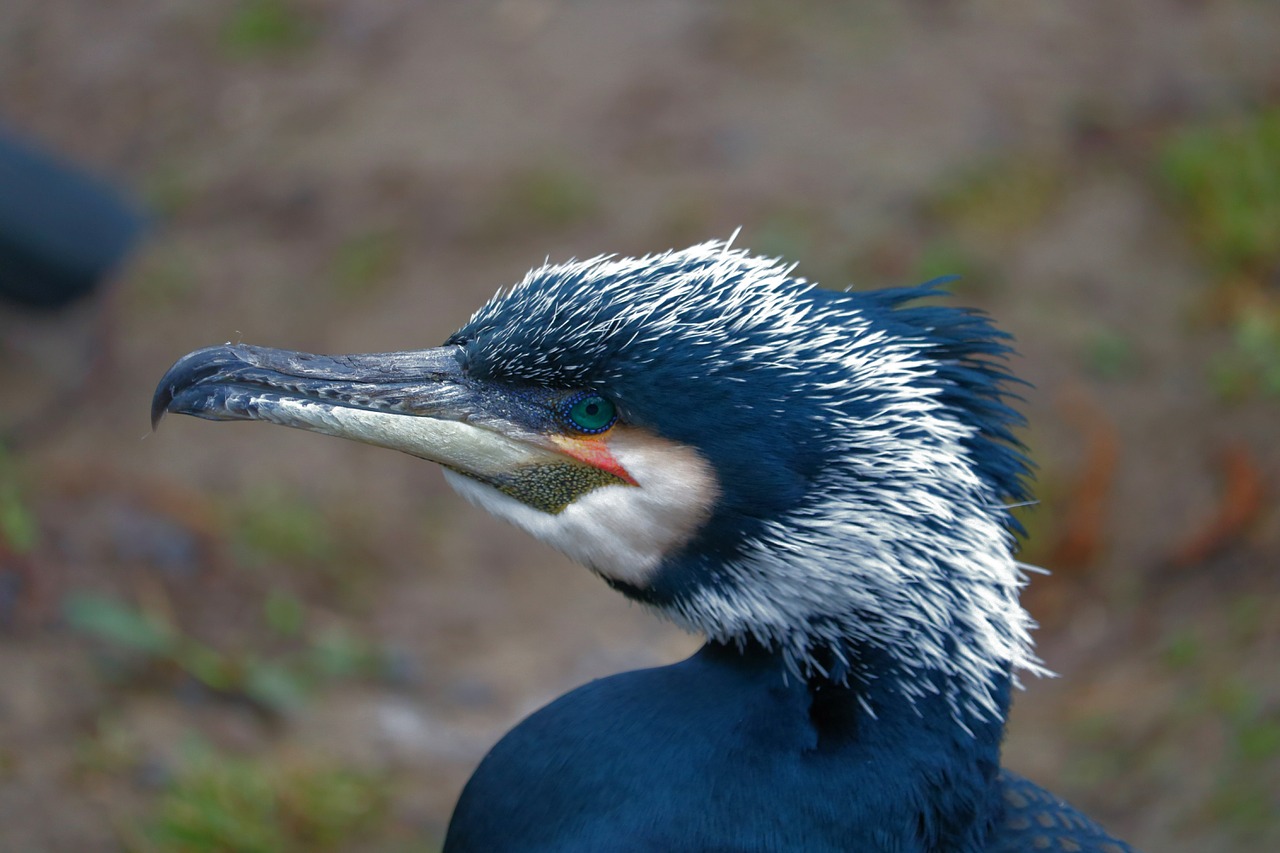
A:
(421, 403)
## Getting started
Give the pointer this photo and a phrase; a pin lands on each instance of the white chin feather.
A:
(621, 532)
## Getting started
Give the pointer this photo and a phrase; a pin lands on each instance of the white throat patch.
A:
(620, 532)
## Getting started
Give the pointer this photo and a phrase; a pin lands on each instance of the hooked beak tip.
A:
(160, 405)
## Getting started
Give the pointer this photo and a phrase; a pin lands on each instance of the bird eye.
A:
(589, 412)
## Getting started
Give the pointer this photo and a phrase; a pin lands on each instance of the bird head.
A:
(824, 473)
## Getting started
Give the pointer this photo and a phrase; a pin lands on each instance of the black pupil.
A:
(593, 408)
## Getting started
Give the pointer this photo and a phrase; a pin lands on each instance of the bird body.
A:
(62, 231)
(816, 481)
(727, 751)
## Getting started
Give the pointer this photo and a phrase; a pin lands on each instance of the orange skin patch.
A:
(593, 450)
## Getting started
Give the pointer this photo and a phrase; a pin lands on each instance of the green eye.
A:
(589, 412)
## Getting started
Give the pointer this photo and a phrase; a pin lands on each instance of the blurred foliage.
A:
(685, 220)
(1244, 795)
(274, 531)
(1108, 354)
(273, 525)
(1001, 199)
(1038, 522)
(897, 258)
(967, 275)
(224, 804)
(770, 37)
(109, 748)
(1223, 722)
(756, 36)
(19, 530)
(1226, 180)
(790, 233)
(969, 222)
(1243, 770)
(284, 613)
(536, 200)
(364, 261)
(1183, 650)
(169, 190)
(1106, 750)
(1251, 365)
(265, 28)
(116, 623)
(274, 681)
(164, 275)
(555, 198)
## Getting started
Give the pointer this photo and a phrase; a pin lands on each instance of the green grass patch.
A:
(999, 200)
(169, 190)
(223, 804)
(1248, 617)
(1108, 354)
(1250, 366)
(538, 200)
(284, 613)
(1258, 739)
(945, 258)
(1107, 755)
(257, 28)
(1183, 650)
(108, 749)
(19, 530)
(789, 233)
(685, 220)
(555, 198)
(272, 525)
(276, 531)
(165, 275)
(1225, 180)
(277, 680)
(364, 261)
(1244, 795)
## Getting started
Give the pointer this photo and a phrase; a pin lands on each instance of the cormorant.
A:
(819, 482)
(62, 231)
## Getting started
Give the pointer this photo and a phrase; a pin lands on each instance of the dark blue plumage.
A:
(62, 231)
(725, 752)
(819, 482)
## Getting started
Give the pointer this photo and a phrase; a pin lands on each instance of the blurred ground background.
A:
(241, 638)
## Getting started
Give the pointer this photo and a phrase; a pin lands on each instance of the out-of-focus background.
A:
(236, 637)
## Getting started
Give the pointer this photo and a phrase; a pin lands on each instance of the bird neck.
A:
(933, 769)
(864, 682)
(951, 638)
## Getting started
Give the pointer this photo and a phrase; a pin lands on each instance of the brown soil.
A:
(365, 183)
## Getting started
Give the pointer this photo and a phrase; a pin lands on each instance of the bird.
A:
(63, 231)
(819, 482)
(64, 235)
